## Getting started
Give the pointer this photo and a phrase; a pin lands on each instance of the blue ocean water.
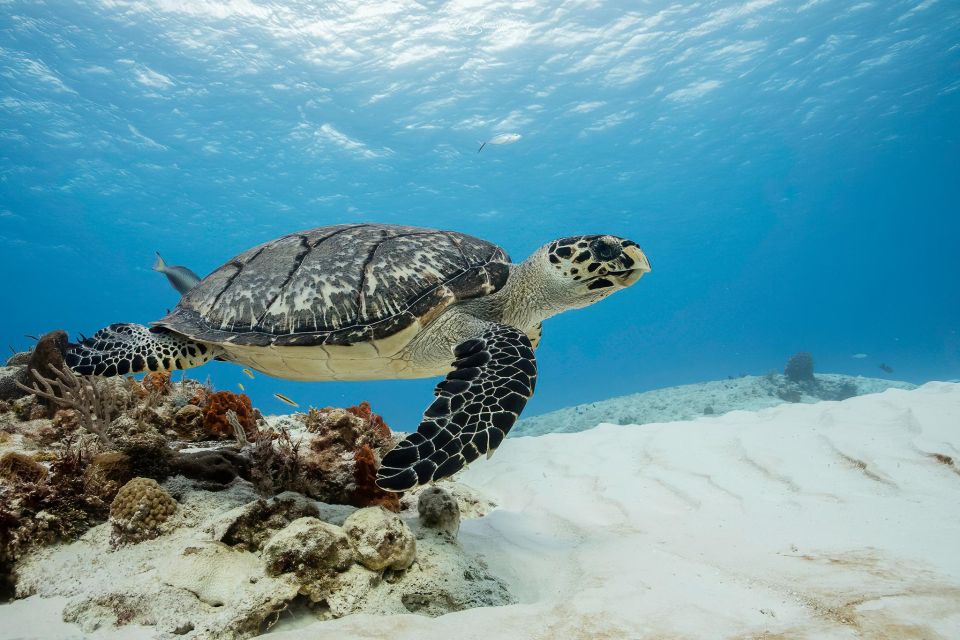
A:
(789, 167)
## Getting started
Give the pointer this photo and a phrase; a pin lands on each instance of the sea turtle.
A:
(378, 301)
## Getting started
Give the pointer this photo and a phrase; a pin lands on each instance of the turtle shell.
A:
(338, 285)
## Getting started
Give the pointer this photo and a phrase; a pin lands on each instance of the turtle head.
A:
(585, 269)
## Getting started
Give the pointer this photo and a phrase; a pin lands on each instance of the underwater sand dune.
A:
(828, 520)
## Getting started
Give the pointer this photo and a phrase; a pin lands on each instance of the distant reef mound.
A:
(798, 383)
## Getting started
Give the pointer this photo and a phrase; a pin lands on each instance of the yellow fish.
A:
(240, 384)
(249, 373)
(285, 399)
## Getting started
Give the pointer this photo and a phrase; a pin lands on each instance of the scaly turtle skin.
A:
(373, 301)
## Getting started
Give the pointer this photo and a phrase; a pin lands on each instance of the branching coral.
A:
(80, 393)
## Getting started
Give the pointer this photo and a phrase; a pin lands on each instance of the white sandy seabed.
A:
(819, 521)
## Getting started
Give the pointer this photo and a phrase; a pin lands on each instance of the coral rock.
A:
(139, 511)
(335, 422)
(188, 423)
(308, 547)
(439, 510)
(219, 467)
(9, 377)
(348, 427)
(112, 466)
(149, 454)
(366, 493)
(156, 382)
(66, 421)
(251, 525)
(799, 368)
(20, 467)
(48, 353)
(340, 462)
(23, 407)
(380, 539)
(21, 358)
(215, 415)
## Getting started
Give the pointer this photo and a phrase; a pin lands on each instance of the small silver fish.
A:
(285, 399)
(248, 372)
(181, 278)
(859, 356)
(240, 384)
(503, 138)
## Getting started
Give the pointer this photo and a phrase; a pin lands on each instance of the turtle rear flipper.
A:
(132, 348)
(494, 375)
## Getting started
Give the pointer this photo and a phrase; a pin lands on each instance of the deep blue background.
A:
(790, 168)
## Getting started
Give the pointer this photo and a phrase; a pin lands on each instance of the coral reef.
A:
(139, 511)
(799, 382)
(237, 515)
(233, 565)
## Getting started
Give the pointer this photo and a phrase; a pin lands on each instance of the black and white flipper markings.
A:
(132, 348)
(476, 405)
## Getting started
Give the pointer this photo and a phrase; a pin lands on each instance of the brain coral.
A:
(138, 511)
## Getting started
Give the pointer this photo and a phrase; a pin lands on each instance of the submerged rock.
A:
(380, 539)
(309, 547)
(220, 466)
(9, 377)
(251, 525)
(439, 510)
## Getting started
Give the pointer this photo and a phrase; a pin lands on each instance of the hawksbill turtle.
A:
(378, 301)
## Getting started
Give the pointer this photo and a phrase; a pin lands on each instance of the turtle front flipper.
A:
(494, 375)
(132, 348)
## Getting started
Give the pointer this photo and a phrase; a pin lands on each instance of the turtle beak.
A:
(640, 266)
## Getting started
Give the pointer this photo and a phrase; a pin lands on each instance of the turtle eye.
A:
(604, 249)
